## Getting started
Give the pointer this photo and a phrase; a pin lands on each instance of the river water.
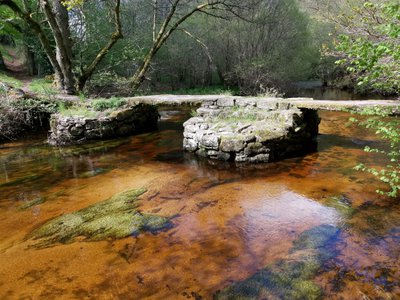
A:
(315, 90)
(230, 223)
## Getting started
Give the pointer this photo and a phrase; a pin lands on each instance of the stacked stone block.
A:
(251, 130)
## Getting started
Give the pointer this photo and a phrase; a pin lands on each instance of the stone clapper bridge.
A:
(241, 129)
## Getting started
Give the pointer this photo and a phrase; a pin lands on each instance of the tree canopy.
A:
(255, 46)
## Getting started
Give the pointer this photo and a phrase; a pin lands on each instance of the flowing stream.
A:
(304, 228)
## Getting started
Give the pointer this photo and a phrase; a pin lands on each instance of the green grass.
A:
(43, 86)
(10, 80)
(78, 112)
(92, 109)
(104, 104)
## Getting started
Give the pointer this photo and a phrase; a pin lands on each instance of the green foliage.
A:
(271, 52)
(104, 104)
(109, 82)
(78, 112)
(371, 49)
(47, 106)
(7, 22)
(388, 128)
(43, 86)
(194, 113)
(70, 4)
(10, 80)
(91, 109)
(209, 90)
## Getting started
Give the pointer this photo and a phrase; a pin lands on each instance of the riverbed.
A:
(229, 222)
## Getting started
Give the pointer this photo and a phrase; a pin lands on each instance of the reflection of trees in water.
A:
(374, 220)
(5, 171)
(80, 163)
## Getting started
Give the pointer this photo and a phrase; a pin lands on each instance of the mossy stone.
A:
(315, 238)
(116, 217)
(342, 204)
(289, 278)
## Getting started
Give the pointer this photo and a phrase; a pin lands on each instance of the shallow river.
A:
(303, 228)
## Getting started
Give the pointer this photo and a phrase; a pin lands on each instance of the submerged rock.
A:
(340, 203)
(290, 278)
(31, 203)
(115, 218)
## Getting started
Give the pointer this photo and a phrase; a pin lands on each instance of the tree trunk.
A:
(57, 17)
(163, 35)
(221, 75)
(140, 73)
(30, 62)
(61, 59)
(61, 17)
(2, 65)
(37, 29)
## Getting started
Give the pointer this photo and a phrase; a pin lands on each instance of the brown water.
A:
(315, 90)
(229, 222)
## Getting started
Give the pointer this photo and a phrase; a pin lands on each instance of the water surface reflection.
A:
(230, 222)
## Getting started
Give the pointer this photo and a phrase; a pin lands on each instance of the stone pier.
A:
(66, 130)
(250, 130)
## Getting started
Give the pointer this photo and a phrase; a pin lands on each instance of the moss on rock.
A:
(290, 278)
(31, 203)
(114, 218)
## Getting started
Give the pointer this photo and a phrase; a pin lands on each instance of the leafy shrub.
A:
(370, 49)
(389, 130)
(209, 90)
(91, 109)
(104, 104)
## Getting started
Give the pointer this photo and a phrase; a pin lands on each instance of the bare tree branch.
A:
(87, 73)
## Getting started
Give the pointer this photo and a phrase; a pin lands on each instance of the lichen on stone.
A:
(77, 127)
(116, 217)
(290, 278)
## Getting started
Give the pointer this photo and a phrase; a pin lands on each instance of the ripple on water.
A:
(303, 226)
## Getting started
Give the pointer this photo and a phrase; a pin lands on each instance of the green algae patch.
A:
(341, 204)
(290, 278)
(32, 203)
(22, 180)
(114, 218)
